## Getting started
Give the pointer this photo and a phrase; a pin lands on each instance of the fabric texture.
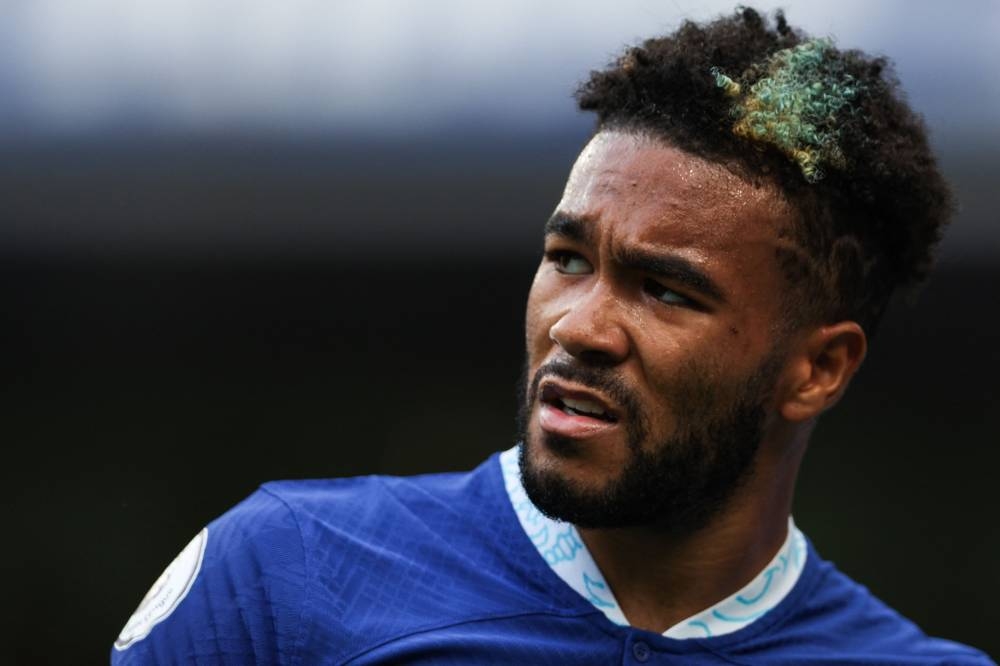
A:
(437, 569)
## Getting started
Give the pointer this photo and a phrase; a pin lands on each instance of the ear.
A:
(819, 372)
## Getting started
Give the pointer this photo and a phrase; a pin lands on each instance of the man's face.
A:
(651, 344)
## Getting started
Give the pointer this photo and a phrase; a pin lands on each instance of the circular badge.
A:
(167, 592)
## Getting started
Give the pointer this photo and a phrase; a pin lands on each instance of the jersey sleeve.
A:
(234, 595)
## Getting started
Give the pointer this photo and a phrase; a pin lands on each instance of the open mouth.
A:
(576, 403)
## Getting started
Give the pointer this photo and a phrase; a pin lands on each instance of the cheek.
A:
(654, 373)
(679, 373)
(535, 328)
(660, 352)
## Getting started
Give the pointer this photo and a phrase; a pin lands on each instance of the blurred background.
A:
(253, 240)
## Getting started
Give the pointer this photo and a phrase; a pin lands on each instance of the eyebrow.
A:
(673, 268)
(666, 266)
(574, 228)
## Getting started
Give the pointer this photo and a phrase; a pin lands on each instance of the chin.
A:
(560, 482)
(566, 481)
(590, 462)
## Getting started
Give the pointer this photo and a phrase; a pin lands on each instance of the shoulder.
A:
(833, 619)
(416, 528)
(428, 521)
(324, 567)
(392, 558)
(315, 498)
(233, 592)
(359, 521)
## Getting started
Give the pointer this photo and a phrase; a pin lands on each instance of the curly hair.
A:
(831, 128)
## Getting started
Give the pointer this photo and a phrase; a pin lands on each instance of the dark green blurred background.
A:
(149, 387)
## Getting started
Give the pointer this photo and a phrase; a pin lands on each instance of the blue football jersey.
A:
(438, 570)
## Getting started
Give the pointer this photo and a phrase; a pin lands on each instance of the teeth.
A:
(584, 406)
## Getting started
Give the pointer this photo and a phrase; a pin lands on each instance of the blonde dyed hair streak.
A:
(795, 105)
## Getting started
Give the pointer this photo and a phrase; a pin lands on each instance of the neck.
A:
(661, 579)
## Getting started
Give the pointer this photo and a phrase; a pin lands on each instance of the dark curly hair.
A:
(830, 127)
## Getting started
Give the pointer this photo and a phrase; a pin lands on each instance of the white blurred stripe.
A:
(198, 63)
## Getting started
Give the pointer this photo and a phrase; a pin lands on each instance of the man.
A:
(726, 243)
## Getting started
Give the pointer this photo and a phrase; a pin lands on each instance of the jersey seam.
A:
(448, 625)
(306, 596)
(572, 610)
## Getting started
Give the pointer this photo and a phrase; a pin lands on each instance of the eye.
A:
(570, 263)
(666, 294)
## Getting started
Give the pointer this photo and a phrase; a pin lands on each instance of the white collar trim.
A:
(561, 547)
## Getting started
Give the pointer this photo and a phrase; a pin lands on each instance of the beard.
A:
(676, 485)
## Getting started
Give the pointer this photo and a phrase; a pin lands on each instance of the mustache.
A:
(600, 379)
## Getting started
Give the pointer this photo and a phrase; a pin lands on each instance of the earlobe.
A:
(818, 376)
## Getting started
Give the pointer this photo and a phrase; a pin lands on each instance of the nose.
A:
(591, 329)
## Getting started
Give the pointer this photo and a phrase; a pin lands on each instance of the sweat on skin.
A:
(660, 266)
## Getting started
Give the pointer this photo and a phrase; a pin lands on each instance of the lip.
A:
(554, 420)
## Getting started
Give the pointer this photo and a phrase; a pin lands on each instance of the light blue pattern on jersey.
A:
(561, 546)
(758, 597)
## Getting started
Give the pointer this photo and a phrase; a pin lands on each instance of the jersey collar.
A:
(561, 547)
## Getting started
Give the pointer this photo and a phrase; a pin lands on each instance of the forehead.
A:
(646, 191)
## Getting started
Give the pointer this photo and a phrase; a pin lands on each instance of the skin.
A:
(590, 305)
